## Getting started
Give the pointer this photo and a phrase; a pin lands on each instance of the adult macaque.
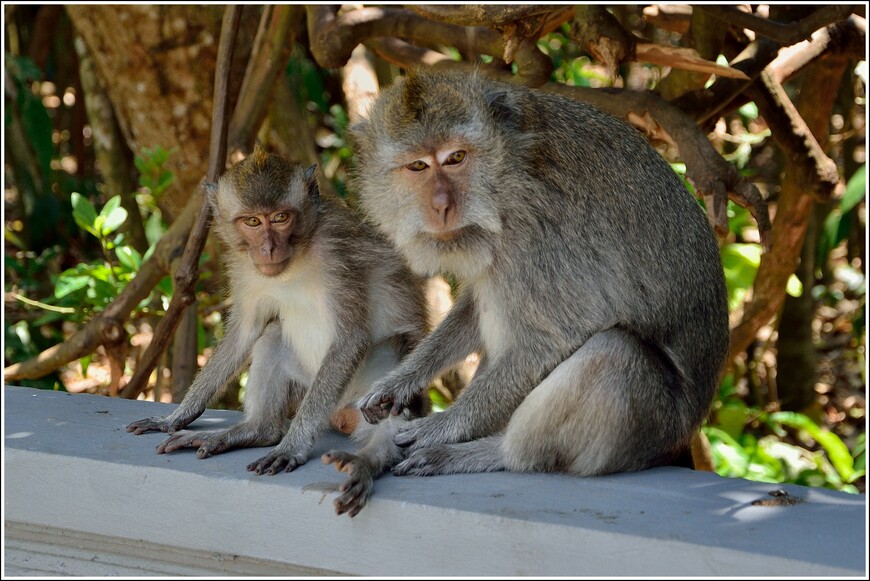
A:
(591, 281)
(322, 306)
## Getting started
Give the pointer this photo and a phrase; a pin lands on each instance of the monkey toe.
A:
(341, 460)
(353, 499)
(425, 462)
(140, 427)
(375, 413)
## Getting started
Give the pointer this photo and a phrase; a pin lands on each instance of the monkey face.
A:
(428, 170)
(267, 236)
(266, 208)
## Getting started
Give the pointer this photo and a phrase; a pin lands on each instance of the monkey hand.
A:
(388, 396)
(425, 432)
(277, 460)
(357, 488)
(208, 443)
(440, 459)
(166, 424)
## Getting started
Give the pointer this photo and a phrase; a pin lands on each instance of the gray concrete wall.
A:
(84, 497)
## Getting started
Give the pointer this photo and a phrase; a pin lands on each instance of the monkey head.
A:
(431, 158)
(266, 208)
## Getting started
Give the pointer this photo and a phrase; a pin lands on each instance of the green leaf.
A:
(113, 220)
(794, 286)
(732, 417)
(128, 257)
(84, 213)
(837, 451)
(856, 189)
(85, 363)
(67, 284)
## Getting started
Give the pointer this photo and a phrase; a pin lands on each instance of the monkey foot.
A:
(357, 488)
(427, 462)
(275, 462)
(207, 443)
(150, 425)
(426, 432)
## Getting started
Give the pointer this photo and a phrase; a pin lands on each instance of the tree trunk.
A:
(795, 350)
(157, 64)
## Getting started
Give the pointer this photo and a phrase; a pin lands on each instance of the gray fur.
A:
(591, 282)
(342, 313)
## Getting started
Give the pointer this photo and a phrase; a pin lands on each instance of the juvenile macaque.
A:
(591, 282)
(322, 306)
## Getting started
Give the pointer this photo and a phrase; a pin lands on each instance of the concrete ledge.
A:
(84, 497)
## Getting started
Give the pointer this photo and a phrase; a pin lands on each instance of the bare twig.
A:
(793, 210)
(785, 34)
(102, 327)
(333, 38)
(848, 37)
(818, 173)
(188, 271)
(714, 178)
(269, 57)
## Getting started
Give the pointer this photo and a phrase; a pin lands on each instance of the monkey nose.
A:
(441, 205)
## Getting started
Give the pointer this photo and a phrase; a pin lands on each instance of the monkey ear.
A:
(210, 190)
(359, 127)
(310, 178)
(504, 107)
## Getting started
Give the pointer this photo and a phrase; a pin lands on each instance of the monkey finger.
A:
(341, 460)
(353, 500)
(405, 438)
(147, 425)
(263, 464)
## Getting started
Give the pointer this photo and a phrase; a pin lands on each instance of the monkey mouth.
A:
(445, 235)
(271, 269)
(457, 239)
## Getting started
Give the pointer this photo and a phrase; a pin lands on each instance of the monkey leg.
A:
(270, 388)
(355, 491)
(613, 406)
(482, 455)
(376, 456)
(610, 407)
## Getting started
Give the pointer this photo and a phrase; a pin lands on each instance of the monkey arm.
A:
(484, 407)
(223, 365)
(341, 361)
(451, 341)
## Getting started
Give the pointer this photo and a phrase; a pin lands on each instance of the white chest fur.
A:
(495, 328)
(298, 299)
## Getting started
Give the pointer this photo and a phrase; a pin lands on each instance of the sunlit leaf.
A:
(69, 284)
(84, 213)
(837, 451)
(128, 257)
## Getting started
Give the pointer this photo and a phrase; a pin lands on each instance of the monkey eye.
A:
(455, 158)
(280, 218)
(418, 165)
(251, 221)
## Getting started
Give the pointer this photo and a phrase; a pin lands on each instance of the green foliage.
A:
(748, 442)
(570, 65)
(93, 285)
(44, 211)
(840, 221)
(439, 402)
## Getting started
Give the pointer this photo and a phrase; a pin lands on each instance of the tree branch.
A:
(847, 38)
(188, 271)
(714, 179)
(793, 210)
(333, 37)
(784, 34)
(95, 332)
(269, 57)
(817, 172)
